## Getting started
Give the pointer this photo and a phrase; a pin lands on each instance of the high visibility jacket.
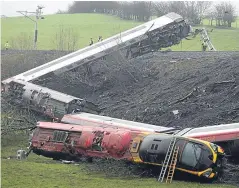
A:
(7, 45)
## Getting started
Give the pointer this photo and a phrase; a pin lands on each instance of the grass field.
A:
(93, 25)
(223, 39)
(86, 25)
(40, 172)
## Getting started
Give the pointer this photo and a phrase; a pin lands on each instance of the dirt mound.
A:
(17, 61)
(203, 87)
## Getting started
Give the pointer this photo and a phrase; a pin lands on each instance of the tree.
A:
(80, 7)
(22, 42)
(225, 14)
(162, 8)
(104, 7)
(136, 10)
(211, 15)
(66, 39)
(194, 11)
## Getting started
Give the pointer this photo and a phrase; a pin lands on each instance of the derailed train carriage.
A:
(71, 142)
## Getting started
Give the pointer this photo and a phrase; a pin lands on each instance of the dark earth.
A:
(202, 86)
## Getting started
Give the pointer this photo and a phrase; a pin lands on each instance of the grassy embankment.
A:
(93, 25)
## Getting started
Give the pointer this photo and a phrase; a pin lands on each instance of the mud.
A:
(203, 87)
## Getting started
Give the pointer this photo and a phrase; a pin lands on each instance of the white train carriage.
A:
(161, 32)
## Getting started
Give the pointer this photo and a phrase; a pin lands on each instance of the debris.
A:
(176, 114)
(21, 154)
(67, 162)
(187, 96)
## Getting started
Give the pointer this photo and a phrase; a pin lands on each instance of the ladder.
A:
(167, 159)
(172, 165)
(206, 40)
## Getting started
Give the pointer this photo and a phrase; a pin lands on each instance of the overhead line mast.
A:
(38, 15)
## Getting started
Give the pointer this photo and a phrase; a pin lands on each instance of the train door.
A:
(135, 145)
(134, 148)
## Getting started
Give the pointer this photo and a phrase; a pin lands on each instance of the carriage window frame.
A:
(59, 136)
(156, 147)
(152, 146)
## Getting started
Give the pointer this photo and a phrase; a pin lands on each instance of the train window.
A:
(191, 154)
(152, 146)
(59, 136)
(156, 147)
(135, 144)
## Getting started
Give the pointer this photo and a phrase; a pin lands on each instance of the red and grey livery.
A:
(91, 138)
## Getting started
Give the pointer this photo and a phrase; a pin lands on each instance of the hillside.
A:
(149, 88)
(86, 26)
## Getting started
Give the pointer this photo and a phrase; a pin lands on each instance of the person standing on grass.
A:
(100, 38)
(6, 45)
(91, 41)
(204, 47)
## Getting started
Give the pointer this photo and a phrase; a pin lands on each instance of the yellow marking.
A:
(212, 175)
(196, 173)
(135, 141)
(220, 150)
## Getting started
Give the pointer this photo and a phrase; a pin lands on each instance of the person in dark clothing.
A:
(91, 41)
(204, 47)
(100, 38)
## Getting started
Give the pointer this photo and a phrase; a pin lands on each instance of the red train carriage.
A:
(67, 141)
(58, 140)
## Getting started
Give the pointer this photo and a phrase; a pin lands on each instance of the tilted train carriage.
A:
(69, 141)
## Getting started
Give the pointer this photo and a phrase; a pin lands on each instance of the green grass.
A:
(223, 39)
(93, 25)
(85, 25)
(37, 171)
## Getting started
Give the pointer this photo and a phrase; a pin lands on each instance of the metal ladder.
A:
(167, 159)
(206, 40)
(172, 165)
